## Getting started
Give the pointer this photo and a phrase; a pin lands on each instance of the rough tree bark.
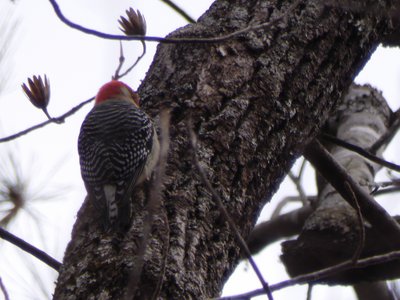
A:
(332, 233)
(255, 102)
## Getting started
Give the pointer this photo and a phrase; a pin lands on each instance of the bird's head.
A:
(116, 90)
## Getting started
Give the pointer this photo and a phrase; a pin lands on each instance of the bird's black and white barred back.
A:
(118, 148)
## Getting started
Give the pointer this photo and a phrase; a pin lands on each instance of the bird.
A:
(118, 150)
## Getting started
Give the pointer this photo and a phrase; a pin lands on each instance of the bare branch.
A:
(56, 120)
(122, 60)
(179, 10)
(282, 203)
(309, 291)
(297, 182)
(226, 216)
(39, 254)
(378, 192)
(222, 38)
(315, 276)
(361, 151)
(322, 160)
(361, 242)
(302, 195)
(4, 290)
(279, 227)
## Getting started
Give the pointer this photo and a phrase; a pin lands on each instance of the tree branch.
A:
(221, 38)
(179, 10)
(57, 120)
(360, 151)
(361, 239)
(335, 174)
(4, 290)
(117, 76)
(318, 275)
(39, 254)
(277, 228)
(297, 182)
(226, 215)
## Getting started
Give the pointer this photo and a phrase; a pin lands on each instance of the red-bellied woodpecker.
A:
(118, 149)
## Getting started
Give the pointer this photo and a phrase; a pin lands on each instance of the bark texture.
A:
(255, 102)
(332, 233)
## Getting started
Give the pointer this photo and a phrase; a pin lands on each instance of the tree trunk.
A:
(255, 102)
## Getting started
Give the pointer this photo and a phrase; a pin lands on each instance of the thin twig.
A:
(302, 168)
(121, 61)
(386, 191)
(376, 187)
(179, 10)
(118, 76)
(309, 291)
(222, 38)
(383, 184)
(297, 182)
(361, 151)
(302, 195)
(282, 226)
(282, 203)
(4, 290)
(57, 120)
(335, 174)
(361, 242)
(321, 274)
(225, 214)
(39, 254)
(153, 206)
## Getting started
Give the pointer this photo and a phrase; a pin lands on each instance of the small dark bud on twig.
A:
(135, 24)
(38, 91)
